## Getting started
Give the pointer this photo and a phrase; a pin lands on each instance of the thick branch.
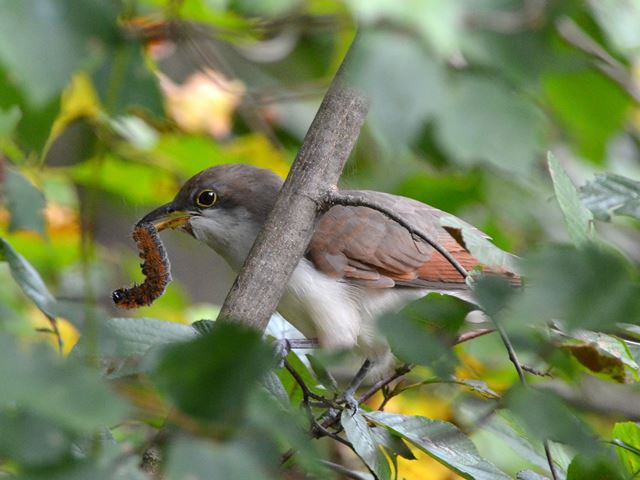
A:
(282, 241)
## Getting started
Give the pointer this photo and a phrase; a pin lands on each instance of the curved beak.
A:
(166, 216)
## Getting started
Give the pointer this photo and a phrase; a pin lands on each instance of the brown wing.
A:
(364, 246)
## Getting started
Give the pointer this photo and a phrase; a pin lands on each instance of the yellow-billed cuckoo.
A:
(359, 264)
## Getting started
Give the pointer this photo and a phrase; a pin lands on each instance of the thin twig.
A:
(344, 471)
(607, 64)
(306, 391)
(399, 372)
(465, 337)
(334, 197)
(523, 380)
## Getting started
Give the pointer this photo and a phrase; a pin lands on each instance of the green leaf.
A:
(322, 373)
(578, 218)
(589, 467)
(442, 441)
(141, 88)
(530, 475)
(8, 120)
(484, 121)
(123, 342)
(202, 460)
(411, 342)
(28, 279)
(570, 96)
(610, 194)
(602, 354)
(395, 71)
(629, 434)
(211, 376)
(70, 31)
(25, 203)
(30, 439)
(505, 426)
(479, 245)
(546, 417)
(65, 392)
(365, 444)
(590, 288)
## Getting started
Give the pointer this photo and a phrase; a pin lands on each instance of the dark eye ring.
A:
(206, 198)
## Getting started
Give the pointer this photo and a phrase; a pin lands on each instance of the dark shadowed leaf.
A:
(25, 203)
(28, 279)
(578, 218)
(202, 460)
(365, 443)
(442, 441)
(610, 194)
(211, 376)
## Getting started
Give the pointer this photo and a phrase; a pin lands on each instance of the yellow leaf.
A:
(78, 100)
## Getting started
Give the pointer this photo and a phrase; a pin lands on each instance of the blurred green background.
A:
(106, 107)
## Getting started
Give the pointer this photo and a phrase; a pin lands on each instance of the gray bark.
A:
(316, 170)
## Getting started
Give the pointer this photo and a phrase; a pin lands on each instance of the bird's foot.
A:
(282, 349)
(349, 401)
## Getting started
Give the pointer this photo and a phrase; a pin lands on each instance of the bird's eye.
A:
(206, 198)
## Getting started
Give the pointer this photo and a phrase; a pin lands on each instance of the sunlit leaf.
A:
(442, 441)
(578, 218)
(569, 94)
(610, 194)
(28, 279)
(619, 19)
(597, 467)
(629, 433)
(364, 442)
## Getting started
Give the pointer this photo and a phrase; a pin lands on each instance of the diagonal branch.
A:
(287, 231)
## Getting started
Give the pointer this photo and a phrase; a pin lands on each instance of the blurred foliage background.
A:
(106, 107)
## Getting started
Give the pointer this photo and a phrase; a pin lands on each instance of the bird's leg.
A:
(285, 345)
(348, 395)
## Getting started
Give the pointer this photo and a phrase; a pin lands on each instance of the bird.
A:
(359, 264)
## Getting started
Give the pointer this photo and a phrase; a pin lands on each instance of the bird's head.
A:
(223, 206)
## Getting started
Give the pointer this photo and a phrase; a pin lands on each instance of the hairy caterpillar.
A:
(156, 269)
